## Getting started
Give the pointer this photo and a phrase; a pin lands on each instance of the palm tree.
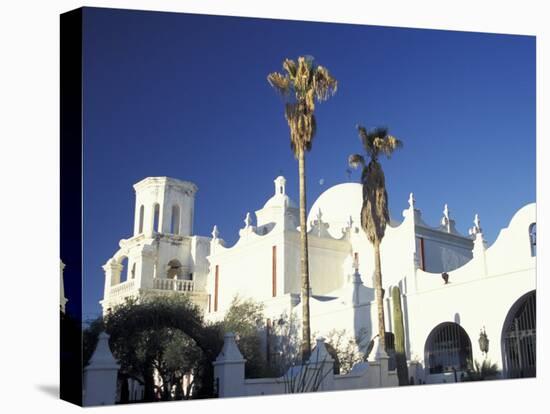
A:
(374, 211)
(301, 84)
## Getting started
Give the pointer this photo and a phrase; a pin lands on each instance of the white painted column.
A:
(320, 360)
(100, 376)
(112, 271)
(229, 369)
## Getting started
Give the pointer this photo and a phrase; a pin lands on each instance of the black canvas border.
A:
(71, 204)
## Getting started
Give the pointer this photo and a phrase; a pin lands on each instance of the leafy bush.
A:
(349, 350)
(477, 371)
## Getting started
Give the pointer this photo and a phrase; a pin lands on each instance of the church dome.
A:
(337, 205)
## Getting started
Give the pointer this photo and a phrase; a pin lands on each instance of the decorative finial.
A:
(446, 219)
(346, 231)
(215, 232)
(319, 215)
(477, 226)
(247, 220)
(411, 200)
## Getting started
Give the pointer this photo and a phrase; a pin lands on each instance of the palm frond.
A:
(374, 213)
(356, 160)
(301, 80)
(304, 82)
(324, 84)
(281, 83)
(313, 130)
(290, 67)
(377, 141)
(390, 145)
(380, 132)
(366, 140)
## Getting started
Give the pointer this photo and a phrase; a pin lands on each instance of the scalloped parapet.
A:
(510, 253)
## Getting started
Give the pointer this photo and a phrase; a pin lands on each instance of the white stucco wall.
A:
(246, 268)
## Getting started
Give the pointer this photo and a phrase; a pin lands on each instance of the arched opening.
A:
(533, 238)
(174, 270)
(448, 348)
(141, 213)
(175, 222)
(124, 271)
(519, 338)
(156, 217)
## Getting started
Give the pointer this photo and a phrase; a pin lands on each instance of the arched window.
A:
(174, 269)
(175, 222)
(448, 348)
(533, 238)
(156, 217)
(124, 272)
(141, 212)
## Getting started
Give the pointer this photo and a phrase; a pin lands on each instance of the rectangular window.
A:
(420, 253)
(274, 271)
(216, 283)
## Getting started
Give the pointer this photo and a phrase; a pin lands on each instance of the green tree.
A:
(302, 83)
(166, 334)
(245, 319)
(374, 211)
(283, 343)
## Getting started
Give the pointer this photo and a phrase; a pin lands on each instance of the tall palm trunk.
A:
(306, 328)
(379, 298)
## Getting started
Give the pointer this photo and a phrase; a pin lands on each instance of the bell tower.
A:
(164, 205)
(162, 255)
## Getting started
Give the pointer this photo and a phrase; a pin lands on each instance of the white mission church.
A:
(453, 286)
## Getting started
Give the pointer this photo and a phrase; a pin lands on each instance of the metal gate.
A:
(520, 339)
(447, 349)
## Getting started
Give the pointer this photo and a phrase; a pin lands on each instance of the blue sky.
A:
(186, 96)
